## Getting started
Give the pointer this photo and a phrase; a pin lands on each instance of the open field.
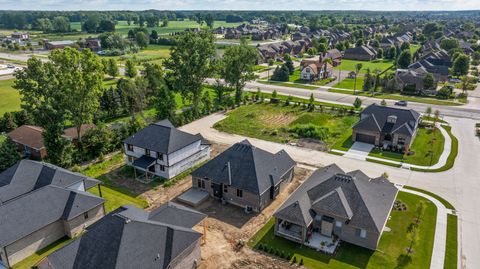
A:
(173, 26)
(349, 65)
(349, 83)
(275, 122)
(391, 251)
(9, 97)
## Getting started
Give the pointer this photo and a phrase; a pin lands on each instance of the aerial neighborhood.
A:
(206, 135)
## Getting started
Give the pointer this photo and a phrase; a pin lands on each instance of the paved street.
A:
(459, 185)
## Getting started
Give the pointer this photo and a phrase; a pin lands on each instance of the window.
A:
(225, 188)
(147, 152)
(162, 167)
(338, 224)
(363, 233)
(239, 193)
(160, 156)
(131, 159)
(401, 140)
(130, 147)
(199, 183)
(85, 215)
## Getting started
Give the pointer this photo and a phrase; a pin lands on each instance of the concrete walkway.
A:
(439, 242)
(442, 161)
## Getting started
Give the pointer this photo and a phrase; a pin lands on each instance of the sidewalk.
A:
(442, 161)
(439, 242)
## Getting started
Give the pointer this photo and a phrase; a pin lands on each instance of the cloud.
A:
(239, 5)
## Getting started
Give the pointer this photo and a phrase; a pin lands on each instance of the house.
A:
(29, 140)
(72, 135)
(315, 68)
(440, 72)
(40, 204)
(245, 175)
(20, 36)
(51, 45)
(332, 205)
(162, 150)
(93, 44)
(362, 53)
(386, 126)
(335, 55)
(129, 237)
(411, 80)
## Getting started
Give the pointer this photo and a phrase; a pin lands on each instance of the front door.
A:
(217, 190)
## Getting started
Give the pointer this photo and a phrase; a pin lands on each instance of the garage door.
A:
(370, 139)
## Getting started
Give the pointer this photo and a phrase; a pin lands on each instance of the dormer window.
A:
(392, 119)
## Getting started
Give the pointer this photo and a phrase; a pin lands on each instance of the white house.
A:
(162, 150)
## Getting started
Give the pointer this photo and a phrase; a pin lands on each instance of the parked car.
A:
(401, 103)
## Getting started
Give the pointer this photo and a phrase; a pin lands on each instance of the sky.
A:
(239, 5)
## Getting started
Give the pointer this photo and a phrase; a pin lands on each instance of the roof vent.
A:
(343, 178)
(392, 119)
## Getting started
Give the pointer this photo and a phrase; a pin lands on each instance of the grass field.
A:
(349, 83)
(273, 122)
(288, 84)
(9, 97)
(349, 65)
(33, 259)
(391, 251)
(153, 53)
(451, 250)
(421, 147)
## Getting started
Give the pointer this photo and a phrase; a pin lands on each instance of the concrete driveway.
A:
(359, 151)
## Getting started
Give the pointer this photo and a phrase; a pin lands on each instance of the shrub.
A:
(310, 131)
(294, 259)
(301, 262)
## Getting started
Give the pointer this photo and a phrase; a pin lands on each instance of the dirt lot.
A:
(227, 224)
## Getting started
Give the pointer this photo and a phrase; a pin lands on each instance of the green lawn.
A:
(115, 196)
(173, 26)
(391, 251)
(344, 142)
(33, 259)
(451, 157)
(272, 122)
(451, 250)
(287, 84)
(421, 147)
(153, 53)
(9, 97)
(439, 198)
(349, 65)
(349, 83)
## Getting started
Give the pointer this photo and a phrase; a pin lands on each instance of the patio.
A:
(322, 243)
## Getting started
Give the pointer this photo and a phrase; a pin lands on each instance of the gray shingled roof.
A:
(365, 202)
(27, 175)
(30, 212)
(125, 238)
(251, 169)
(374, 118)
(162, 137)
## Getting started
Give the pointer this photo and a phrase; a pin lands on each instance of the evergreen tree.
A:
(8, 154)
(130, 69)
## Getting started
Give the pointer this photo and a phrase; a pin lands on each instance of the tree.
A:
(281, 73)
(164, 99)
(91, 24)
(154, 35)
(106, 26)
(270, 63)
(61, 24)
(209, 20)
(142, 39)
(43, 24)
(112, 69)
(289, 64)
(466, 84)
(429, 82)
(392, 53)
(8, 154)
(130, 69)
(237, 67)
(449, 43)
(405, 59)
(359, 43)
(380, 53)
(165, 22)
(461, 65)
(383, 102)
(133, 95)
(190, 63)
(357, 104)
(358, 67)
(7, 122)
(405, 46)
(311, 103)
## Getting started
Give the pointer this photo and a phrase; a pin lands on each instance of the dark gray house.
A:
(245, 176)
(362, 53)
(386, 126)
(40, 204)
(129, 237)
(332, 205)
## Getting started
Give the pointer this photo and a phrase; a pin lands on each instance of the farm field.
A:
(278, 123)
(173, 26)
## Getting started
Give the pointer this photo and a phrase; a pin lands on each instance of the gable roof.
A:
(27, 176)
(71, 133)
(246, 167)
(31, 212)
(162, 137)
(353, 196)
(29, 135)
(374, 117)
(125, 238)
